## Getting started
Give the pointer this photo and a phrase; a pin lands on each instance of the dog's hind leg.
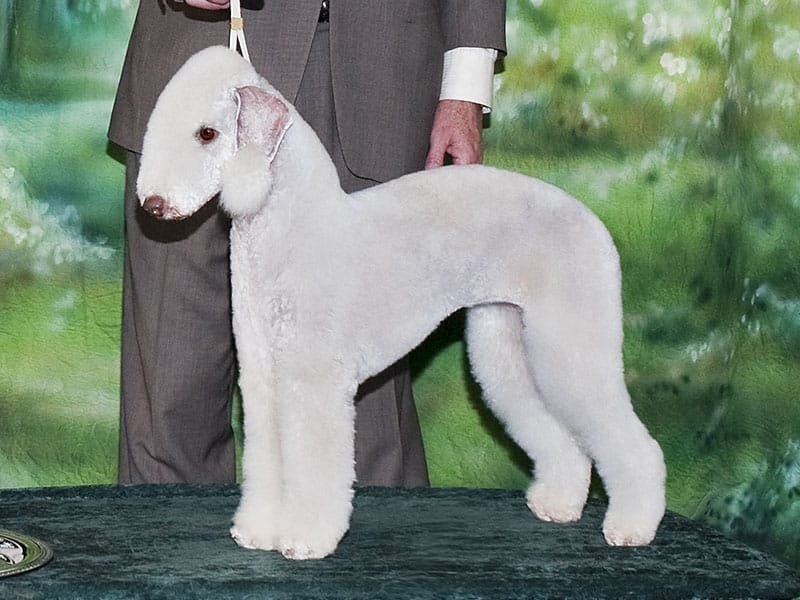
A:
(575, 341)
(499, 362)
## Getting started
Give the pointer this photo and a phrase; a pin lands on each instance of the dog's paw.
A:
(254, 530)
(635, 524)
(310, 541)
(303, 550)
(312, 529)
(560, 497)
(552, 504)
(305, 537)
(637, 504)
(628, 534)
(252, 541)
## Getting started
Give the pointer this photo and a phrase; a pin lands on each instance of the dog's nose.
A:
(154, 205)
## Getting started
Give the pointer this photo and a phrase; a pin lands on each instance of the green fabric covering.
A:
(172, 542)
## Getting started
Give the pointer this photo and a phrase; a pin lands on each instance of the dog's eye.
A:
(206, 135)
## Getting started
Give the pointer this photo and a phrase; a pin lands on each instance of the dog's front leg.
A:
(255, 524)
(316, 417)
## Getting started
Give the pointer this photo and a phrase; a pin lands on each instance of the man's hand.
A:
(456, 131)
(209, 4)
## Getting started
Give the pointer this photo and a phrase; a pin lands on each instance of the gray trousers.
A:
(178, 358)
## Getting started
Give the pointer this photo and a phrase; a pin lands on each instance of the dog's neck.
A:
(305, 181)
(303, 168)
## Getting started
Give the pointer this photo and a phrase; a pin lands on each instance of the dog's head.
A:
(216, 127)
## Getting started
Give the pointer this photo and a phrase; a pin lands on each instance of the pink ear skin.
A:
(261, 122)
(263, 119)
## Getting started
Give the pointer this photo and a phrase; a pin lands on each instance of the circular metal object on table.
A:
(20, 553)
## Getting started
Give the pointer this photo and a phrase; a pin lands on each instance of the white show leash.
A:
(237, 30)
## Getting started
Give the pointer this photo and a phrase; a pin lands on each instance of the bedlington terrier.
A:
(330, 288)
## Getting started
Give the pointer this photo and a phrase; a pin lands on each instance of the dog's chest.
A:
(264, 311)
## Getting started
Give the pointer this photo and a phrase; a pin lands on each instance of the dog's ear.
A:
(261, 122)
(262, 119)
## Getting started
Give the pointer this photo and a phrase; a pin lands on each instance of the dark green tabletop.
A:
(172, 542)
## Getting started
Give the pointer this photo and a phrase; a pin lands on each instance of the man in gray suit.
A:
(368, 77)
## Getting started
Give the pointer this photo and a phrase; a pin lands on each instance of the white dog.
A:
(315, 313)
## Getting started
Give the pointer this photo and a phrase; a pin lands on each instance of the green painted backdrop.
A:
(675, 120)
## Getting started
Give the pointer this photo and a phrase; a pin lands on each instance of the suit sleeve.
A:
(474, 23)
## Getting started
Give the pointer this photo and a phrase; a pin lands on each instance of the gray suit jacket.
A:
(386, 62)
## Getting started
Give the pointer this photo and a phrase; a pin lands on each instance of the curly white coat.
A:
(330, 288)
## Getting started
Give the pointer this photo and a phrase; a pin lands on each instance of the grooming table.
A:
(172, 542)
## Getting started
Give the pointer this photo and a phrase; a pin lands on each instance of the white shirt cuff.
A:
(468, 74)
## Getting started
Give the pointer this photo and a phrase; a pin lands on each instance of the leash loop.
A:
(237, 30)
